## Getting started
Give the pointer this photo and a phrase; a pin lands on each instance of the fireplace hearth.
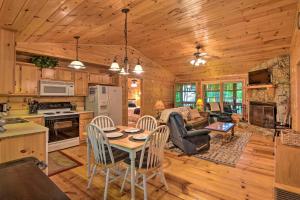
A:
(262, 114)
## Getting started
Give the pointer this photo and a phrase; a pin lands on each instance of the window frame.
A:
(181, 91)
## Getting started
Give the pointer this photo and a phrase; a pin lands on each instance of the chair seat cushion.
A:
(119, 155)
(137, 159)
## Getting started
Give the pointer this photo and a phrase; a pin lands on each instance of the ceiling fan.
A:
(200, 56)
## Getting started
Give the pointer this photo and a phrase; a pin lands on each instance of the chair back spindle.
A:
(103, 121)
(155, 144)
(100, 145)
(147, 123)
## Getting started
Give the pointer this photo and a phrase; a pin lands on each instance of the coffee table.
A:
(224, 127)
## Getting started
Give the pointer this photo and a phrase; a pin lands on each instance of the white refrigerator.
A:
(105, 100)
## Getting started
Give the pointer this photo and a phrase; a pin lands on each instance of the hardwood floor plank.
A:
(187, 177)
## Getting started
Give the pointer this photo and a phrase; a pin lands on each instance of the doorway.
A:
(134, 100)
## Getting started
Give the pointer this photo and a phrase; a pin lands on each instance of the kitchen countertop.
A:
(24, 115)
(21, 129)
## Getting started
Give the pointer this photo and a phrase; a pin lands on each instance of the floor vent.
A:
(285, 195)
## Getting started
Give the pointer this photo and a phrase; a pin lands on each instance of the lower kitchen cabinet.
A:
(84, 120)
(31, 145)
(37, 120)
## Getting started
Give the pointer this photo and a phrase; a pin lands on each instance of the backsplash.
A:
(19, 104)
(280, 67)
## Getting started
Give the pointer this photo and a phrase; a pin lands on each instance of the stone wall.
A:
(280, 67)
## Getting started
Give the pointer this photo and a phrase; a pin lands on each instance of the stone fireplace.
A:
(279, 94)
(262, 114)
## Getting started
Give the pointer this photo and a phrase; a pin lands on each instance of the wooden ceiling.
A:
(241, 33)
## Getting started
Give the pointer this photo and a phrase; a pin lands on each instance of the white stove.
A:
(63, 124)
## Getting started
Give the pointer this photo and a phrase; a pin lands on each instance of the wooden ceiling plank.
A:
(9, 11)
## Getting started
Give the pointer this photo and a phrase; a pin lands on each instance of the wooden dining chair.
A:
(147, 123)
(105, 156)
(149, 162)
(101, 121)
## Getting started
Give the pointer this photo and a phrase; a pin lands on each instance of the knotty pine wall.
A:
(295, 76)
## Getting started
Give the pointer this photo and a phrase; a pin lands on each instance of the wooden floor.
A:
(188, 177)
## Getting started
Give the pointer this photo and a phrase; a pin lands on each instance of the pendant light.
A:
(134, 83)
(125, 68)
(76, 64)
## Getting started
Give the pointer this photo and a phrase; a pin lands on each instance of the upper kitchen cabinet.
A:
(26, 79)
(105, 79)
(64, 74)
(81, 83)
(48, 73)
(7, 61)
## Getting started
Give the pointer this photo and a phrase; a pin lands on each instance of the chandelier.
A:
(76, 64)
(138, 69)
(198, 60)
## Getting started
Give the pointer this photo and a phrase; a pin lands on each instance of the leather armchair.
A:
(190, 142)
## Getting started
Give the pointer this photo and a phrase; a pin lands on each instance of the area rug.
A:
(220, 152)
(59, 162)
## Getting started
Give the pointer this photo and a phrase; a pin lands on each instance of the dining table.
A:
(126, 144)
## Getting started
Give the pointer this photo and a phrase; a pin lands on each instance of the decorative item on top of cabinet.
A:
(48, 73)
(84, 120)
(81, 83)
(7, 61)
(26, 79)
(64, 74)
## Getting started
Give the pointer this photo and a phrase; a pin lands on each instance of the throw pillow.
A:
(214, 107)
(194, 114)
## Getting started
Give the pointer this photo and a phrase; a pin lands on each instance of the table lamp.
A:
(199, 105)
(159, 106)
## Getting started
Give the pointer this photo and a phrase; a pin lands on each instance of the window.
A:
(233, 95)
(185, 94)
(228, 94)
(211, 93)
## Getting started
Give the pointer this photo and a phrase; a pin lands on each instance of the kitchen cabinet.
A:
(84, 120)
(64, 74)
(104, 79)
(48, 74)
(81, 83)
(37, 120)
(26, 79)
(31, 145)
(7, 61)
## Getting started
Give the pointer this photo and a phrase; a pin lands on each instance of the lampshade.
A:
(200, 104)
(114, 66)
(123, 72)
(76, 64)
(159, 105)
(198, 62)
(138, 69)
(134, 83)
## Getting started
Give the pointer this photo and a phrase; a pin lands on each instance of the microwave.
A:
(56, 88)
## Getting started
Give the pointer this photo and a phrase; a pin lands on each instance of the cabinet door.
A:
(95, 78)
(26, 79)
(13, 148)
(64, 75)
(106, 79)
(7, 61)
(48, 74)
(81, 83)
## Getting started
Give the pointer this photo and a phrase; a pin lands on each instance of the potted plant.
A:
(44, 61)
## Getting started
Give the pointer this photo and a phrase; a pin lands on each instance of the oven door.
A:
(62, 127)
